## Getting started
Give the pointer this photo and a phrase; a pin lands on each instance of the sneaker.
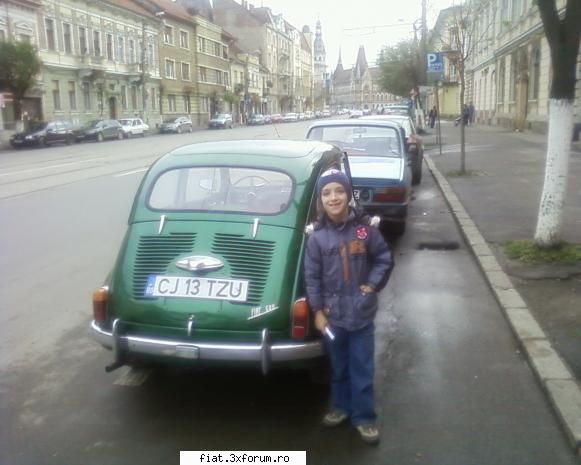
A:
(334, 418)
(369, 433)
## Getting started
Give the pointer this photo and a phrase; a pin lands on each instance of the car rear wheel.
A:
(99, 137)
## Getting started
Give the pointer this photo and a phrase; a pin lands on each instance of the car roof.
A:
(354, 122)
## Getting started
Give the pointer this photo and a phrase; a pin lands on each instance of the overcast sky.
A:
(338, 18)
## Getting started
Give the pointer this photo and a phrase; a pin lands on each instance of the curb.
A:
(555, 377)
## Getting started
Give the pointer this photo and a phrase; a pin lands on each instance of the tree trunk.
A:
(462, 123)
(548, 232)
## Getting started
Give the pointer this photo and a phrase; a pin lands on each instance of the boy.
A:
(346, 263)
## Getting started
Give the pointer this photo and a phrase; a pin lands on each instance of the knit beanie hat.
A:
(334, 175)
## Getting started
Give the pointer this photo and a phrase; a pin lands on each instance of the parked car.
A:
(134, 127)
(43, 134)
(100, 130)
(267, 119)
(380, 168)
(276, 118)
(355, 113)
(326, 113)
(176, 124)
(210, 269)
(256, 120)
(414, 143)
(221, 120)
(290, 117)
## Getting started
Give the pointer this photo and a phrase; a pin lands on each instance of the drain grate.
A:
(441, 245)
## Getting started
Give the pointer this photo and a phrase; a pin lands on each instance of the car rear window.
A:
(376, 141)
(222, 189)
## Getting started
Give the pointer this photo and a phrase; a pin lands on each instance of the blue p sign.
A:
(434, 63)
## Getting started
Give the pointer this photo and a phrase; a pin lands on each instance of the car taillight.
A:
(100, 297)
(389, 194)
(300, 319)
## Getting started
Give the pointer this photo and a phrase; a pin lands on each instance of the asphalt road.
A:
(452, 387)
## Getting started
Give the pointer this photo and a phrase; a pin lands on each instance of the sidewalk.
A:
(500, 203)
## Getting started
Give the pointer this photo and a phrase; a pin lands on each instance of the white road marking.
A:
(50, 167)
(133, 376)
(140, 170)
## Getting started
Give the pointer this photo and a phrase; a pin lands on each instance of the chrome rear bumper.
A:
(263, 352)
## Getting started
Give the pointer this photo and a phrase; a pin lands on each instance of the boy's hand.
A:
(366, 289)
(320, 320)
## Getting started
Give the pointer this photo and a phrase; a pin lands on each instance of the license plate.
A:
(356, 194)
(197, 288)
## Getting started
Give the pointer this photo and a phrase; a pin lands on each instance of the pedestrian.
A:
(465, 114)
(432, 116)
(347, 262)
(471, 110)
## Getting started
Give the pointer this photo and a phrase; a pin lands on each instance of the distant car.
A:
(276, 118)
(290, 117)
(221, 121)
(397, 110)
(355, 114)
(176, 124)
(366, 111)
(326, 113)
(414, 143)
(134, 127)
(267, 119)
(309, 115)
(380, 169)
(100, 130)
(221, 280)
(256, 120)
(43, 134)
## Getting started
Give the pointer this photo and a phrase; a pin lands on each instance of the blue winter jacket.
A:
(340, 258)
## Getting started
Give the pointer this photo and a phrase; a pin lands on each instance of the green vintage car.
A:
(210, 268)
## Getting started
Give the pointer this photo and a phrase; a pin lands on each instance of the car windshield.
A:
(222, 189)
(126, 122)
(221, 116)
(370, 140)
(38, 126)
(170, 120)
(92, 124)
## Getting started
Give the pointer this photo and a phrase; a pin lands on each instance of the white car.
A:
(355, 114)
(134, 127)
(290, 117)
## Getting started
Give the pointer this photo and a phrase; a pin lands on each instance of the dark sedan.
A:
(43, 134)
(99, 130)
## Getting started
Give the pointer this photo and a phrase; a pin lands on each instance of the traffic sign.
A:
(434, 63)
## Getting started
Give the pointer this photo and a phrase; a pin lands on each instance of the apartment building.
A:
(99, 59)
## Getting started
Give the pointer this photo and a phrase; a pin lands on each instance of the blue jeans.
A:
(352, 371)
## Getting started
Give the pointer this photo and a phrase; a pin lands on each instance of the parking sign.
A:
(434, 63)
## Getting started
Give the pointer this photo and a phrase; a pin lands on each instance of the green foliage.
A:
(400, 68)
(19, 64)
(230, 97)
(528, 251)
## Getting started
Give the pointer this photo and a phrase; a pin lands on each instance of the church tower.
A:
(319, 54)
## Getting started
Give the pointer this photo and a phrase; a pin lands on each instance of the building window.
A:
(203, 74)
(68, 37)
(171, 103)
(134, 97)
(153, 98)
(83, 40)
(224, 52)
(110, 47)
(120, 50)
(50, 36)
(205, 104)
(186, 104)
(168, 35)
(100, 100)
(186, 71)
(87, 95)
(24, 38)
(131, 57)
(226, 79)
(513, 77)
(501, 81)
(217, 49)
(170, 69)
(201, 44)
(218, 77)
(97, 43)
(536, 74)
(124, 97)
(56, 95)
(184, 39)
(72, 95)
(150, 49)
